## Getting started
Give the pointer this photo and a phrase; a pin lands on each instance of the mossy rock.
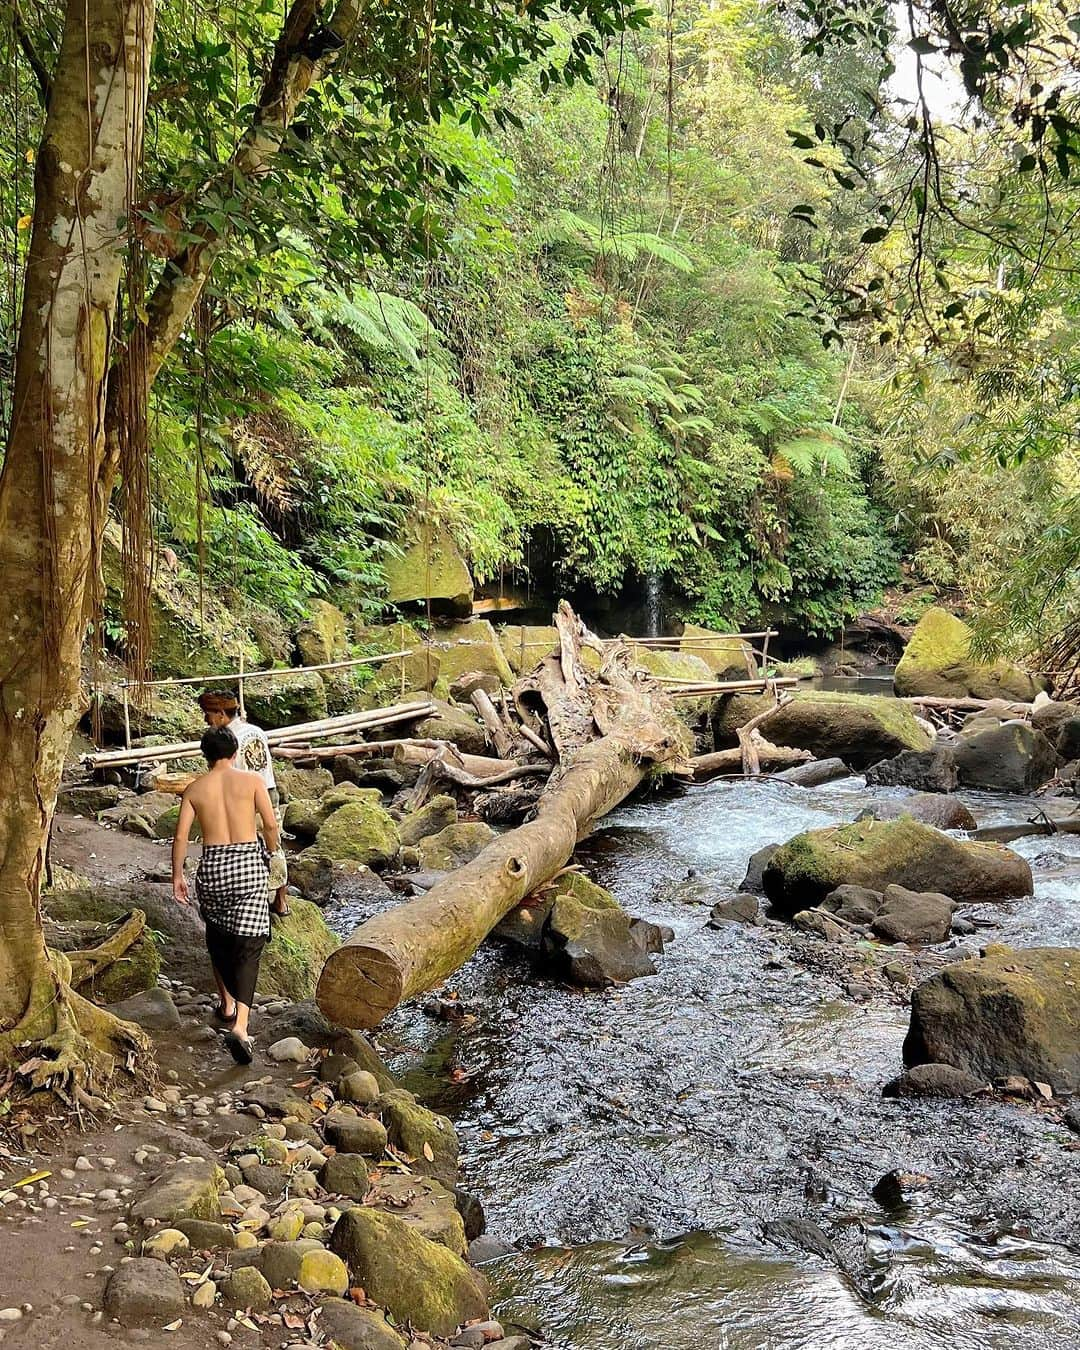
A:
(419, 1282)
(293, 959)
(860, 729)
(472, 646)
(727, 658)
(171, 714)
(416, 1131)
(664, 664)
(293, 782)
(454, 846)
(448, 723)
(435, 815)
(322, 637)
(283, 700)
(587, 936)
(430, 569)
(1004, 757)
(424, 1204)
(937, 662)
(360, 831)
(1004, 1012)
(526, 645)
(903, 852)
(420, 669)
(189, 1189)
(138, 969)
(165, 824)
(185, 636)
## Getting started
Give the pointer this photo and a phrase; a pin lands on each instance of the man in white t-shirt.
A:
(252, 756)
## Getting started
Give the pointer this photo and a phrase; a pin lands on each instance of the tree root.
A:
(67, 1044)
(91, 961)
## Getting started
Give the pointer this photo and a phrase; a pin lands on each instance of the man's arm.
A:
(179, 850)
(264, 807)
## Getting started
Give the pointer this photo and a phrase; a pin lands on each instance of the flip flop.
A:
(280, 913)
(242, 1048)
(219, 1015)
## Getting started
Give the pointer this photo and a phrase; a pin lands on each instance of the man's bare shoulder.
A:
(195, 790)
(244, 782)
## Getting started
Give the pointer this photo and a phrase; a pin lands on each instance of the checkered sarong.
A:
(231, 888)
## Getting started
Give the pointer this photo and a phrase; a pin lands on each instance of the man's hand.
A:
(180, 890)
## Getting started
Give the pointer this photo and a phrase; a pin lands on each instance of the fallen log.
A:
(478, 766)
(498, 735)
(770, 759)
(415, 946)
(1005, 834)
(814, 772)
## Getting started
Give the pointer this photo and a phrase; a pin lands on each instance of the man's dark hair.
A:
(218, 743)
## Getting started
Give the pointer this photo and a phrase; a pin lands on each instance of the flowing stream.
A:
(635, 1145)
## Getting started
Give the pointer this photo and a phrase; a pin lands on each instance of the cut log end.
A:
(359, 986)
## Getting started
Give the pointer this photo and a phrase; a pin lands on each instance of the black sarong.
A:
(236, 960)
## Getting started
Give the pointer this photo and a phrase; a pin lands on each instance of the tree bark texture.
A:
(48, 487)
(415, 947)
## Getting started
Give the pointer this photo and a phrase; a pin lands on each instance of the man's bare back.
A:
(225, 802)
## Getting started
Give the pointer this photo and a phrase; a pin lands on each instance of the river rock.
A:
(322, 1272)
(280, 1261)
(189, 1189)
(854, 904)
(814, 773)
(433, 816)
(918, 918)
(903, 852)
(88, 800)
(289, 1050)
(817, 922)
(754, 881)
(934, 1080)
(347, 1174)
(206, 1236)
(1005, 1012)
(856, 728)
(298, 948)
(353, 1328)
(153, 1009)
(932, 808)
(411, 1126)
(524, 925)
(1005, 757)
(246, 1288)
(292, 781)
(384, 1254)
(358, 1085)
(743, 909)
(426, 1205)
(454, 846)
(447, 723)
(931, 770)
(360, 831)
(1067, 742)
(312, 875)
(587, 936)
(143, 1291)
(937, 662)
(430, 572)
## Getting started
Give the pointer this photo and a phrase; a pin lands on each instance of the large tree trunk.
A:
(414, 947)
(48, 491)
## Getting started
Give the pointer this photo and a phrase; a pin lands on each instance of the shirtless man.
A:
(231, 880)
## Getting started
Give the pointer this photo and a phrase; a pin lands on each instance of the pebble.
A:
(154, 1104)
(83, 1165)
(10, 1314)
(107, 1162)
(289, 1050)
(67, 1173)
(223, 1338)
(204, 1295)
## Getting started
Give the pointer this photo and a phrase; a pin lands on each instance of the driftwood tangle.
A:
(608, 729)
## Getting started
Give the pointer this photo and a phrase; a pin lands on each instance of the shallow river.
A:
(634, 1144)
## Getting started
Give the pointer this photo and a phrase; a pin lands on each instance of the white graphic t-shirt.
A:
(254, 752)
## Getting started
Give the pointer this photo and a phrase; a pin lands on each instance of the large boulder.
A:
(857, 728)
(903, 852)
(728, 658)
(305, 816)
(1005, 1012)
(1004, 757)
(293, 959)
(418, 670)
(937, 662)
(446, 723)
(424, 1204)
(322, 637)
(360, 831)
(430, 570)
(189, 1189)
(419, 1282)
(587, 937)
(454, 846)
(283, 700)
(470, 647)
(425, 1137)
(526, 645)
(931, 770)
(293, 782)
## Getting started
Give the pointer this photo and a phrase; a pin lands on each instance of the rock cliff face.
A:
(430, 568)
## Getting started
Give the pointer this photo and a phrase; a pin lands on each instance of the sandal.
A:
(242, 1048)
(280, 913)
(219, 1015)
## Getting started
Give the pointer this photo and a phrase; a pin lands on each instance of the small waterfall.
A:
(654, 597)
